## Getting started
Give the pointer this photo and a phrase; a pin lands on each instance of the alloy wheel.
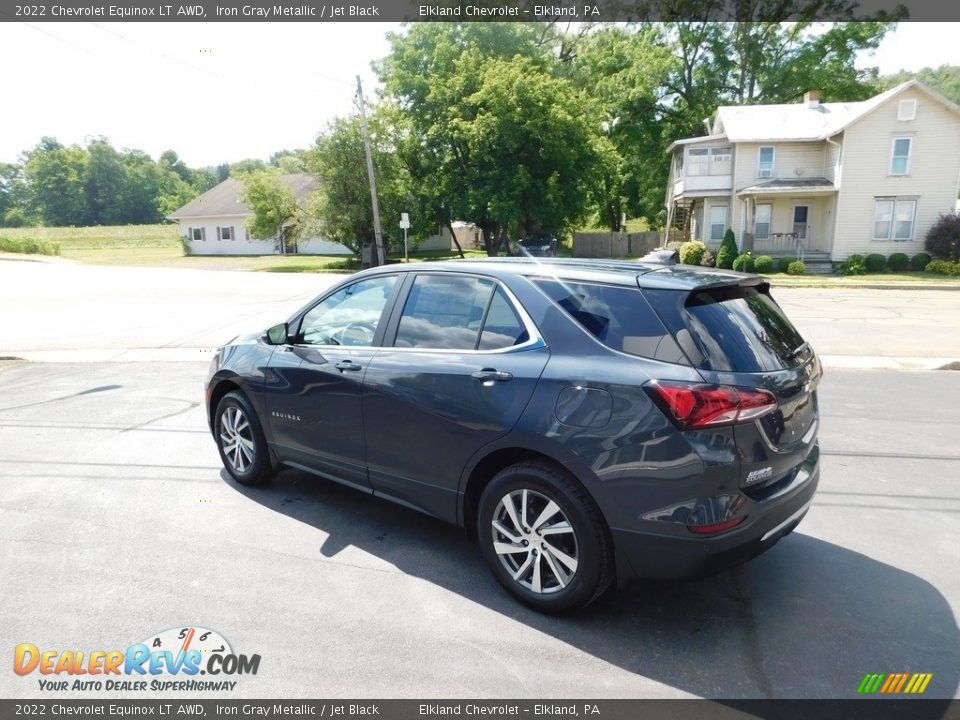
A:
(535, 541)
(236, 439)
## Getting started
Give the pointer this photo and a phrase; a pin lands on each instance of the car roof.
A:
(614, 272)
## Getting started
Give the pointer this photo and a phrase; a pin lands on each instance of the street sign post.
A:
(405, 224)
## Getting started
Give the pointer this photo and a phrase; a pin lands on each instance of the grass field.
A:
(159, 246)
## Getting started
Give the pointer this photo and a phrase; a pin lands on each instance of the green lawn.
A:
(159, 245)
(892, 279)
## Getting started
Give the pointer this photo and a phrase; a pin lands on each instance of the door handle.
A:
(488, 376)
(348, 365)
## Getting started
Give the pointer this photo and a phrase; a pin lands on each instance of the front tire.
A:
(544, 538)
(240, 440)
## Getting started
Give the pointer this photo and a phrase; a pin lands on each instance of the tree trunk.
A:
(456, 242)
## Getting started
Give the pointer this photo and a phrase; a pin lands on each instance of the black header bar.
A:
(471, 10)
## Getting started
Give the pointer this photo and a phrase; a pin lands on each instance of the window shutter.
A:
(233, 235)
(203, 234)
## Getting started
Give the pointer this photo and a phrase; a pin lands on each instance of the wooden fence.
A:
(615, 245)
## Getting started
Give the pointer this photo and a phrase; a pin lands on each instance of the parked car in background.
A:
(587, 422)
(539, 245)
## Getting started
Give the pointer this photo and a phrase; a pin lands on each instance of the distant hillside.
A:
(944, 79)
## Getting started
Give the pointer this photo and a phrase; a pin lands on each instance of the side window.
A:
(619, 317)
(444, 312)
(349, 316)
(503, 327)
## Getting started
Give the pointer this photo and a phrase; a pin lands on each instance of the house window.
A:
(903, 219)
(699, 163)
(718, 221)
(197, 234)
(762, 224)
(765, 162)
(900, 156)
(225, 233)
(894, 218)
(907, 110)
(720, 155)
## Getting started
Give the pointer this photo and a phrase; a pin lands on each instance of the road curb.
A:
(877, 362)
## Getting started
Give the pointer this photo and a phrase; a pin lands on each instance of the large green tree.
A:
(623, 72)
(497, 135)
(945, 79)
(55, 178)
(344, 212)
(276, 212)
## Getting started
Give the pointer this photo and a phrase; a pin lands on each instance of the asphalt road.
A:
(62, 310)
(116, 521)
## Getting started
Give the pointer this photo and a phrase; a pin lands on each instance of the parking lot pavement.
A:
(116, 521)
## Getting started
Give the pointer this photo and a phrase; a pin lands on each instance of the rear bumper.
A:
(675, 557)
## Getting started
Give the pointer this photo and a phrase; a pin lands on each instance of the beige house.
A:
(215, 223)
(820, 180)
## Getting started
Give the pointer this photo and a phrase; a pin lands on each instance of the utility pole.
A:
(381, 255)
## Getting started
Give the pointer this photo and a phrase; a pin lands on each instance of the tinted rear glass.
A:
(731, 329)
(617, 316)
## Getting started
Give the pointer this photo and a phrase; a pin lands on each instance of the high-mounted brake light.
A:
(692, 405)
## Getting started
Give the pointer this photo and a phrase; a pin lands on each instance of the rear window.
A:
(731, 329)
(617, 316)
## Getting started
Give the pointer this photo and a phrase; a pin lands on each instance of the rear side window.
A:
(449, 312)
(617, 316)
(731, 329)
(502, 327)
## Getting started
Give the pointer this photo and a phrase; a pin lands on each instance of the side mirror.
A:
(277, 335)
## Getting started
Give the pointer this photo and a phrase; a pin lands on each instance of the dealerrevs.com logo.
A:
(170, 660)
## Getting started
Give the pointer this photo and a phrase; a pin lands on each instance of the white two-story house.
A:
(822, 180)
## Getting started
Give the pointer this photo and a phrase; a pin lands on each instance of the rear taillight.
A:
(692, 405)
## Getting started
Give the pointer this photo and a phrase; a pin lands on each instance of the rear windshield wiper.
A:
(801, 348)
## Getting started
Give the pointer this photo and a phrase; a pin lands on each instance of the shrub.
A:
(853, 265)
(796, 268)
(784, 263)
(743, 263)
(898, 262)
(763, 264)
(727, 252)
(14, 218)
(920, 261)
(943, 239)
(29, 246)
(944, 267)
(691, 253)
(708, 259)
(185, 245)
(875, 262)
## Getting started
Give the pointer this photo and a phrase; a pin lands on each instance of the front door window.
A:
(800, 219)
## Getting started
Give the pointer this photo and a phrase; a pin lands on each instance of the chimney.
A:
(811, 98)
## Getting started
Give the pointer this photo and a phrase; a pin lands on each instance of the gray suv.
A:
(587, 422)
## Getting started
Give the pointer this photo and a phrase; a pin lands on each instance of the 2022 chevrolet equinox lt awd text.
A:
(587, 422)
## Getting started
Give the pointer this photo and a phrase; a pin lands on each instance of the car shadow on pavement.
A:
(808, 619)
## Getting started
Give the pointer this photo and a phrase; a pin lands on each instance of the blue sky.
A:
(220, 92)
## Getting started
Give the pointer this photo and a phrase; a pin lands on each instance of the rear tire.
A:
(240, 440)
(544, 538)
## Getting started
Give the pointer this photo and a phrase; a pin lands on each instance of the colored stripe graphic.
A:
(894, 683)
